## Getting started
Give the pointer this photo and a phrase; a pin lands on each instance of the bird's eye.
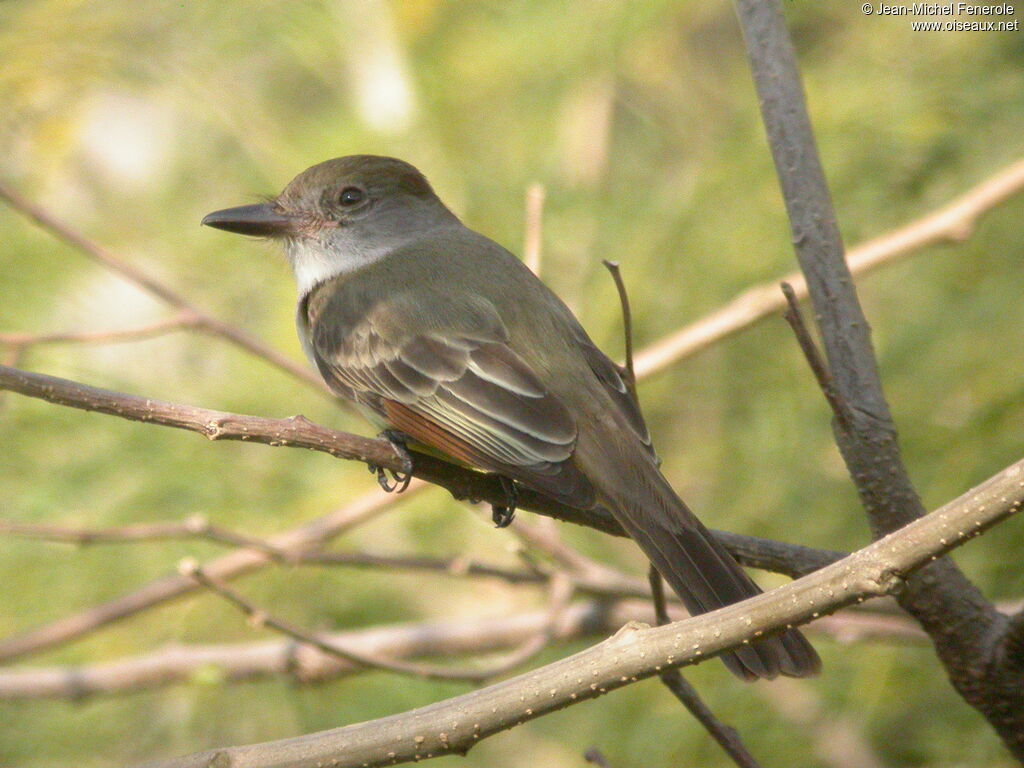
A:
(351, 196)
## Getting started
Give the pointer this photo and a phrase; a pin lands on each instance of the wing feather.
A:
(466, 394)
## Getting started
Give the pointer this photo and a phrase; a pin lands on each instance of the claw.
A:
(503, 515)
(399, 481)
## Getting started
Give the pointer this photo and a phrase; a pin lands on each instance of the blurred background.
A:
(132, 120)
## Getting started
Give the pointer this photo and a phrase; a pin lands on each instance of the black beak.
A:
(263, 220)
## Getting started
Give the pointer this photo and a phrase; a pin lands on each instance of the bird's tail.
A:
(702, 572)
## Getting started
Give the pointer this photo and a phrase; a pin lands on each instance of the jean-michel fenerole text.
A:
(943, 9)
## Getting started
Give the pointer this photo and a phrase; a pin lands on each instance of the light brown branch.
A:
(951, 224)
(636, 652)
(533, 230)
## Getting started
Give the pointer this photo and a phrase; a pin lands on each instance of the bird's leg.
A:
(502, 515)
(399, 480)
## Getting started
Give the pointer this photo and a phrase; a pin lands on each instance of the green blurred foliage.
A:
(132, 120)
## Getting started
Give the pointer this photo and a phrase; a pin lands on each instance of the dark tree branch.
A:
(296, 431)
(952, 611)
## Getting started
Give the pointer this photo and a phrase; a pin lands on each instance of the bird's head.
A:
(342, 214)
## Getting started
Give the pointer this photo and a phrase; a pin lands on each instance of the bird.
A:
(446, 339)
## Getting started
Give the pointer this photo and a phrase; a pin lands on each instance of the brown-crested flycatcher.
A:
(443, 335)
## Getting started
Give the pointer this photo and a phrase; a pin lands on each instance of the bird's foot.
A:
(502, 515)
(398, 481)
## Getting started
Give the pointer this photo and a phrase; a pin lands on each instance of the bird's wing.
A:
(608, 374)
(463, 391)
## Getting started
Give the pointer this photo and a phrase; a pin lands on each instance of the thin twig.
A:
(813, 357)
(532, 236)
(196, 526)
(727, 737)
(181, 321)
(629, 372)
(588, 577)
(260, 618)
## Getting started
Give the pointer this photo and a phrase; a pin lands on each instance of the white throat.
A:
(313, 263)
